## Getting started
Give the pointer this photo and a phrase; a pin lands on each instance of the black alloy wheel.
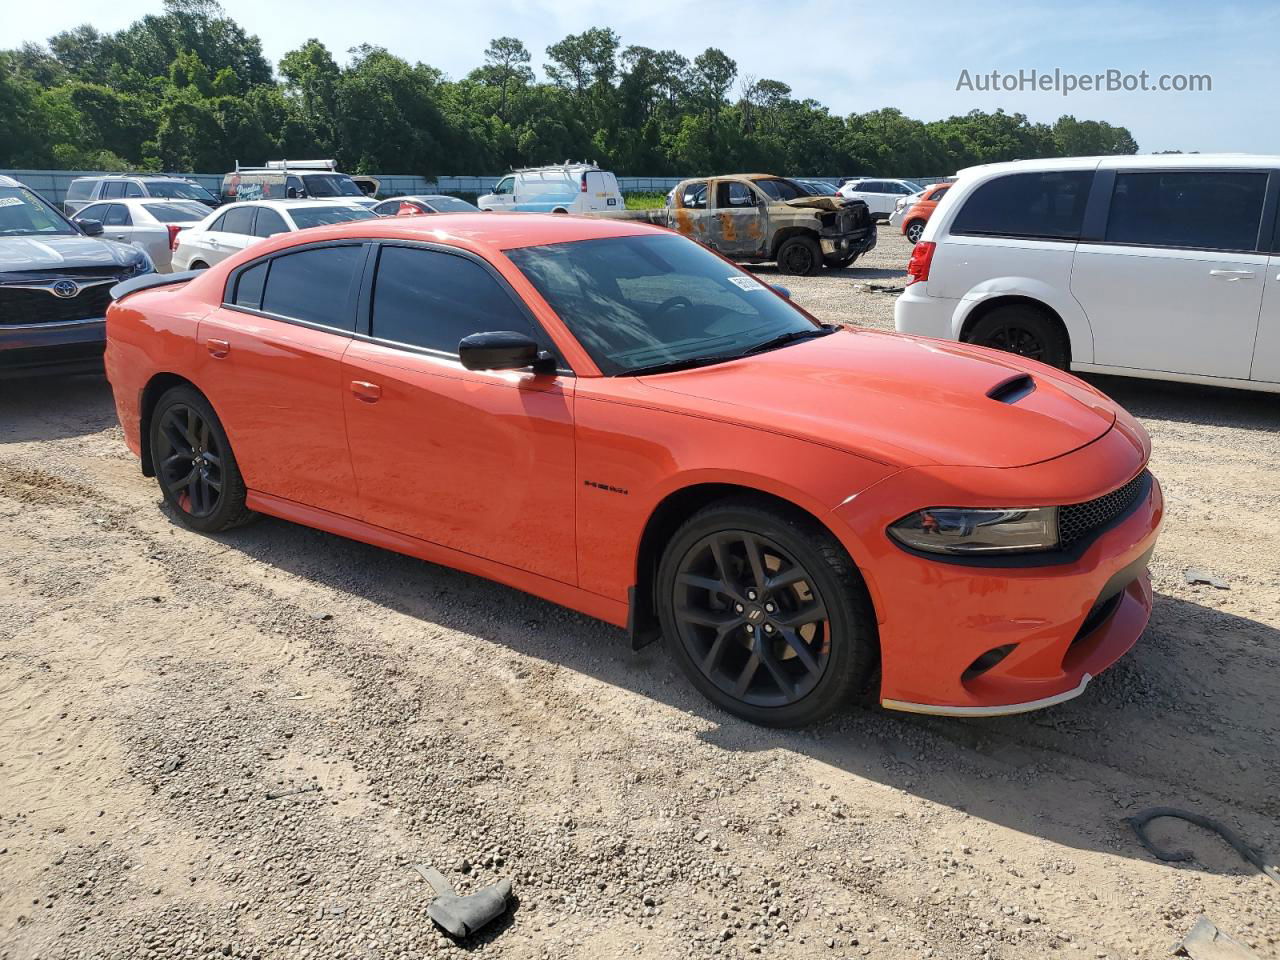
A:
(194, 464)
(766, 613)
(190, 462)
(800, 257)
(1024, 330)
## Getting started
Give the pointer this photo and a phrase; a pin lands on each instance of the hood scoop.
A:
(1013, 389)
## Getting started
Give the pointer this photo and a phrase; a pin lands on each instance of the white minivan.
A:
(566, 188)
(1165, 267)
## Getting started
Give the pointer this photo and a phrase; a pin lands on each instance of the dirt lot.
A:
(159, 689)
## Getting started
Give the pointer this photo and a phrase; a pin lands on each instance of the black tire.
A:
(718, 637)
(194, 464)
(800, 257)
(914, 231)
(1023, 330)
(838, 263)
(199, 265)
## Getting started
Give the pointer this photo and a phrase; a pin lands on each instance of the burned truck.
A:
(756, 217)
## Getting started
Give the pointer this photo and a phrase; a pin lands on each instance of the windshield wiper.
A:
(669, 366)
(790, 337)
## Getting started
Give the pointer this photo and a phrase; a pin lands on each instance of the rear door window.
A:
(95, 211)
(314, 286)
(237, 220)
(117, 216)
(429, 299)
(1198, 210)
(1035, 206)
(733, 193)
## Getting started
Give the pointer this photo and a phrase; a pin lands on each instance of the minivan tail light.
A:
(584, 183)
(174, 230)
(921, 259)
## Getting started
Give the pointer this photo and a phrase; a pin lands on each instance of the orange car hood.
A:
(901, 400)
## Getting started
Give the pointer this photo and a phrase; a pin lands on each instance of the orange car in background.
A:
(918, 214)
(615, 418)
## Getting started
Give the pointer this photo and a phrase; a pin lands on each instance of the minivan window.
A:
(1035, 206)
(313, 285)
(424, 298)
(1201, 209)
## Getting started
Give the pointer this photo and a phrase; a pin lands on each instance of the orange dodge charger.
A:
(615, 418)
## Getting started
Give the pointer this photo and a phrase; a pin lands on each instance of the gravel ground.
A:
(160, 689)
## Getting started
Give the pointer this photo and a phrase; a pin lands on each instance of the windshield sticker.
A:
(12, 202)
(746, 283)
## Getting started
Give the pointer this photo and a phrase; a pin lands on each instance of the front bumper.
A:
(71, 346)
(1056, 624)
(846, 244)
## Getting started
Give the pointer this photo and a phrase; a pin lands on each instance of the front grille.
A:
(19, 305)
(1080, 519)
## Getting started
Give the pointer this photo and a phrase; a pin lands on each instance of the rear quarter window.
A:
(1035, 206)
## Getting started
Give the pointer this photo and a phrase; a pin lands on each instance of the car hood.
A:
(902, 400)
(66, 251)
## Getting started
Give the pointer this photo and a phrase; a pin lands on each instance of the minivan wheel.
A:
(1023, 330)
(765, 613)
(915, 230)
(194, 465)
(800, 257)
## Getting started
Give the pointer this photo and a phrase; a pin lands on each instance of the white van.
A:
(565, 188)
(1165, 267)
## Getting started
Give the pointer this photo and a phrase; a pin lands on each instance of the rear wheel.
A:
(800, 257)
(764, 611)
(194, 465)
(1025, 331)
(915, 230)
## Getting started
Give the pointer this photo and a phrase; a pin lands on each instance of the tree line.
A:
(189, 90)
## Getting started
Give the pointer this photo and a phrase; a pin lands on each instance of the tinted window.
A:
(249, 286)
(236, 220)
(635, 302)
(269, 222)
(452, 205)
(117, 216)
(330, 213)
(177, 212)
(433, 300)
(1046, 206)
(780, 189)
(112, 188)
(695, 196)
(387, 208)
(179, 189)
(1217, 210)
(132, 189)
(79, 189)
(312, 285)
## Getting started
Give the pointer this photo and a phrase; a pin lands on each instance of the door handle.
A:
(366, 391)
(1232, 274)
(218, 349)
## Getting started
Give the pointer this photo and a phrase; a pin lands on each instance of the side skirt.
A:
(564, 594)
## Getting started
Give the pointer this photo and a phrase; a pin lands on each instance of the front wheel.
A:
(765, 612)
(839, 263)
(194, 465)
(800, 257)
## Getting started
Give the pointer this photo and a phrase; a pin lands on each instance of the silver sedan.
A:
(148, 223)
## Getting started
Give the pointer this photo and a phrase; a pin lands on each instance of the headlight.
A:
(143, 265)
(969, 532)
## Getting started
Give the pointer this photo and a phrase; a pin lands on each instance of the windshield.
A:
(177, 212)
(331, 185)
(779, 189)
(319, 216)
(22, 213)
(636, 302)
(180, 190)
(451, 205)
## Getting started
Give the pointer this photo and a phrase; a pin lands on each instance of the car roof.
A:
(10, 182)
(1198, 161)
(491, 233)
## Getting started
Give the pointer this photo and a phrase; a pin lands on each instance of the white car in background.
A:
(1164, 267)
(235, 226)
(880, 196)
(151, 224)
(564, 188)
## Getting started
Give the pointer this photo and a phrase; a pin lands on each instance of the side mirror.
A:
(90, 228)
(502, 350)
(783, 291)
(292, 193)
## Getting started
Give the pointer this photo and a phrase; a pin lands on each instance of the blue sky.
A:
(850, 57)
